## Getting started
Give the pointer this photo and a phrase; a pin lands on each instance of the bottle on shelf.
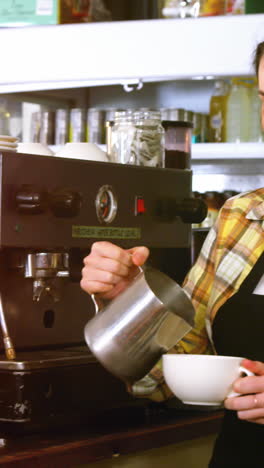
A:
(237, 111)
(4, 117)
(204, 128)
(212, 7)
(235, 7)
(61, 126)
(226, 194)
(77, 133)
(197, 127)
(217, 112)
(255, 132)
(254, 6)
(214, 201)
(15, 119)
(95, 126)
(47, 129)
(181, 8)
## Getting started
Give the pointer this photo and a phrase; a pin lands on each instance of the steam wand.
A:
(9, 348)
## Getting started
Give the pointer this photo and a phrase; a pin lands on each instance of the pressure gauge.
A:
(106, 204)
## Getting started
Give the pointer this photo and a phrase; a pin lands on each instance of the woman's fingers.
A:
(245, 402)
(108, 250)
(255, 415)
(250, 405)
(107, 265)
(101, 276)
(251, 384)
(94, 287)
(135, 256)
(254, 366)
(139, 255)
(103, 279)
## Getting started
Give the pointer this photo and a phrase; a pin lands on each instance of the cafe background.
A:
(70, 65)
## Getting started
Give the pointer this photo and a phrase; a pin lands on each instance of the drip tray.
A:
(41, 359)
(49, 388)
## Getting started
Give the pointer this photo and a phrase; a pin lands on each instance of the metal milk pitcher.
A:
(143, 322)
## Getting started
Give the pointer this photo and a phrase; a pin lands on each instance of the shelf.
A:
(231, 151)
(226, 166)
(71, 56)
(203, 152)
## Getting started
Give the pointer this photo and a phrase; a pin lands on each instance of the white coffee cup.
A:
(88, 151)
(198, 379)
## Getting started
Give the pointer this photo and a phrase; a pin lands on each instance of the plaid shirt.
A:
(230, 251)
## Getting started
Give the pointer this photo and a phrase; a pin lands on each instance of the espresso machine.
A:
(52, 210)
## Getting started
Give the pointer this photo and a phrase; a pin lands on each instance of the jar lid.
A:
(150, 114)
(176, 123)
(123, 115)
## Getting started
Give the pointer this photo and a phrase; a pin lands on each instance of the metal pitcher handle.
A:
(98, 308)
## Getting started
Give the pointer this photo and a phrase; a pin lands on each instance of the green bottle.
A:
(254, 6)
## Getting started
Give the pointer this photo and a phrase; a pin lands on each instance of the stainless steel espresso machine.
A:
(52, 210)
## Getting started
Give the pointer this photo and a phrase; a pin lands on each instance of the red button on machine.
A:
(140, 206)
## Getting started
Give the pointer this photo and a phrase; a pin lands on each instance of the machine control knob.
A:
(65, 203)
(190, 210)
(30, 200)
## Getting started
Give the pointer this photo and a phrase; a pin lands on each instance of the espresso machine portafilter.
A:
(52, 210)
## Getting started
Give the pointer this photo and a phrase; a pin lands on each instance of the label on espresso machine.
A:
(106, 232)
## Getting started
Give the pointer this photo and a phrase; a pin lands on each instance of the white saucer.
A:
(8, 138)
(5, 148)
(7, 144)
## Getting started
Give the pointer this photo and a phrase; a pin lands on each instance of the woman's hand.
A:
(249, 406)
(108, 268)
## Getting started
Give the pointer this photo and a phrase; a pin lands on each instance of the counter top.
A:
(84, 445)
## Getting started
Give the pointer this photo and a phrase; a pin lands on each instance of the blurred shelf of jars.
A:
(227, 166)
(154, 63)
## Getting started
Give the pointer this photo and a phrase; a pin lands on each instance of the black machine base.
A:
(57, 388)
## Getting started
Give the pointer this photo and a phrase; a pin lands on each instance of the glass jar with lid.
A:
(4, 117)
(148, 144)
(178, 139)
(122, 136)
